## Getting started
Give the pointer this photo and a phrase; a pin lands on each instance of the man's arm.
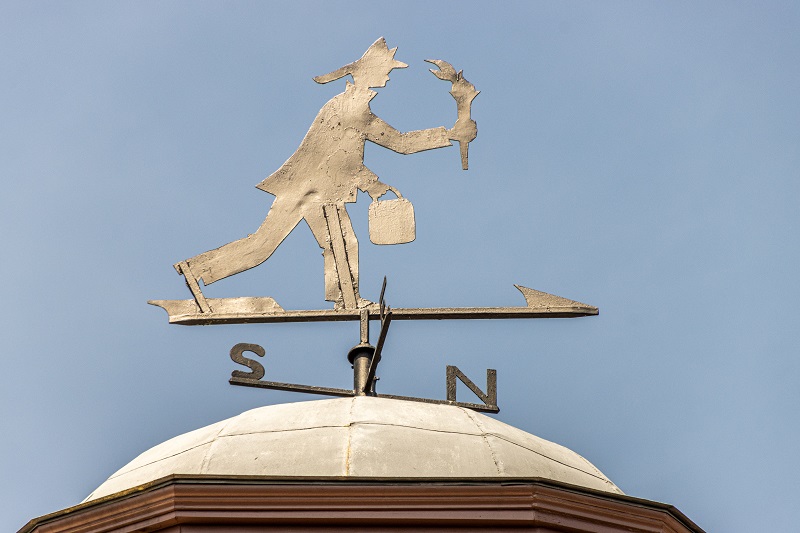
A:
(411, 142)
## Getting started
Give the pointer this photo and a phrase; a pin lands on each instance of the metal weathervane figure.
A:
(316, 182)
(314, 185)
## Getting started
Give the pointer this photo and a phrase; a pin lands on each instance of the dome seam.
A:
(120, 473)
(602, 478)
(485, 440)
(589, 465)
(350, 425)
(281, 430)
(349, 436)
(207, 456)
(414, 427)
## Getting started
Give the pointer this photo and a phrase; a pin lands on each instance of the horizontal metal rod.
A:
(328, 391)
(331, 315)
(474, 406)
(292, 387)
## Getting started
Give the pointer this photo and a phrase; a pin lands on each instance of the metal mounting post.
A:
(360, 356)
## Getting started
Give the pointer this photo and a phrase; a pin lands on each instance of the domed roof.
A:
(360, 437)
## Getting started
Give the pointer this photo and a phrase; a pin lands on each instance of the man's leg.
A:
(251, 251)
(333, 230)
(350, 244)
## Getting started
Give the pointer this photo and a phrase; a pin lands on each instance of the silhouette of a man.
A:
(324, 174)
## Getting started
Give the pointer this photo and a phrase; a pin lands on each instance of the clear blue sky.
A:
(640, 157)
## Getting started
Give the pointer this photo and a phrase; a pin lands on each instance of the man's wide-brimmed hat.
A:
(378, 55)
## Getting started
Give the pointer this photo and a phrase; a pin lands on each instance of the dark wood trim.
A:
(189, 504)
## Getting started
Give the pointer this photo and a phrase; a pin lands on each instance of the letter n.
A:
(489, 398)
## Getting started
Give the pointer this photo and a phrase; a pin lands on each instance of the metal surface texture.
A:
(325, 173)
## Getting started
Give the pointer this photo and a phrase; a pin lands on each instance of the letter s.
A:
(256, 370)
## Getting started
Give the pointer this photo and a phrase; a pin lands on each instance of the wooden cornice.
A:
(238, 503)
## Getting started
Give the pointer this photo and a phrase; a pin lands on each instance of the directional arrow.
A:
(265, 310)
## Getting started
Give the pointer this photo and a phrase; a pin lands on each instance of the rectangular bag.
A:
(392, 222)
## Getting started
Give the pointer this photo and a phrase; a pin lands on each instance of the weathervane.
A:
(314, 185)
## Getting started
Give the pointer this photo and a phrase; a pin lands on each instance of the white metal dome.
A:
(360, 437)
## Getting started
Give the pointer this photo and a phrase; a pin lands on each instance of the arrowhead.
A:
(542, 300)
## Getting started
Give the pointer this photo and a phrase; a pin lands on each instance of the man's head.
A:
(371, 70)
